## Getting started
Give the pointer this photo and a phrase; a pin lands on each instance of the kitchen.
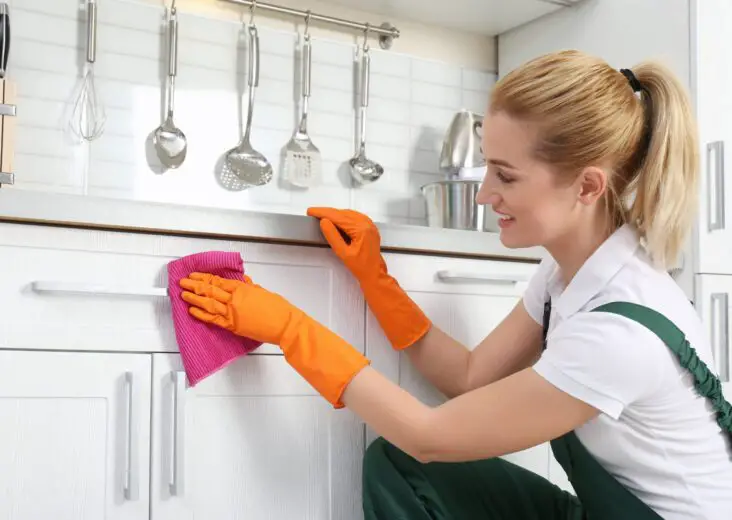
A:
(99, 403)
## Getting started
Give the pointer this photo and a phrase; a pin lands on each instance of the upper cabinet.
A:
(487, 17)
(712, 75)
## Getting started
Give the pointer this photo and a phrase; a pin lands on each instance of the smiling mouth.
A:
(503, 217)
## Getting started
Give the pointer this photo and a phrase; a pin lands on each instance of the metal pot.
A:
(451, 204)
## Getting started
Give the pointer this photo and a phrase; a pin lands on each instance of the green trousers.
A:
(398, 487)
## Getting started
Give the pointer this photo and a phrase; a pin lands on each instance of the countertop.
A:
(18, 205)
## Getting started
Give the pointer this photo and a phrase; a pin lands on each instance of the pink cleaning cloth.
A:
(205, 348)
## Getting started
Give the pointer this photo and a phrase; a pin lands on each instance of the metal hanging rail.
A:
(385, 31)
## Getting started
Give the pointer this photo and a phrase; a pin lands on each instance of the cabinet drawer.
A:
(460, 275)
(103, 262)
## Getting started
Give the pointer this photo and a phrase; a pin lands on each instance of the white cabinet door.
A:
(713, 82)
(466, 299)
(253, 441)
(713, 299)
(74, 436)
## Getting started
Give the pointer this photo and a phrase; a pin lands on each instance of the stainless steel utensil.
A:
(169, 141)
(88, 119)
(302, 158)
(4, 38)
(364, 170)
(451, 204)
(243, 163)
(461, 146)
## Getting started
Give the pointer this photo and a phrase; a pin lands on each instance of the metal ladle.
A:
(243, 162)
(364, 170)
(169, 141)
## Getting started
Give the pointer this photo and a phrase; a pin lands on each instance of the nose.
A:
(487, 194)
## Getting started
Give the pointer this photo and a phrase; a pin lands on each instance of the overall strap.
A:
(705, 382)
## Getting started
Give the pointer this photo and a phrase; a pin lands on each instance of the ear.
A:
(591, 185)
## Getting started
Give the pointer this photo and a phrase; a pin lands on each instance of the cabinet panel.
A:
(96, 262)
(466, 299)
(712, 84)
(713, 300)
(74, 441)
(252, 441)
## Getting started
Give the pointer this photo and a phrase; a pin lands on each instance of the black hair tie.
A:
(634, 83)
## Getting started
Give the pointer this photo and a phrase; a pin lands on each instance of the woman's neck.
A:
(573, 249)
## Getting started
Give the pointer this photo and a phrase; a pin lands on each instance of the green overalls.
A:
(397, 487)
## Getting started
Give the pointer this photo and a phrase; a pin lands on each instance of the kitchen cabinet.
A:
(74, 435)
(252, 441)
(90, 379)
(465, 298)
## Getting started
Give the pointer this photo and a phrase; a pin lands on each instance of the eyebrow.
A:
(500, 162)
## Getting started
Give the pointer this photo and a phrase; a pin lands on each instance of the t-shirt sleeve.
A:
(536, 292)
(605, 360)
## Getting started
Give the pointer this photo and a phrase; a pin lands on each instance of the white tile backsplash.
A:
(412, 101)
(439, 73)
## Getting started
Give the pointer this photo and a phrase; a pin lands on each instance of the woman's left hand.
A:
(323, 358)
(244, 308)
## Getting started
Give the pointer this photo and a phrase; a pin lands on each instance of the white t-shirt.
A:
(654, 434)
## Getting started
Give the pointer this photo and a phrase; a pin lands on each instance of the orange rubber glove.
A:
(402, 321)
(323, 358)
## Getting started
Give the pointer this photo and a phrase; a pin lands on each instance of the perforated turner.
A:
(302, 157)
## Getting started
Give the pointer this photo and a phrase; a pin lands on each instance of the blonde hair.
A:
(589, 115)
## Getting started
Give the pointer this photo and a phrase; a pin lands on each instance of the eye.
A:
(503, 177)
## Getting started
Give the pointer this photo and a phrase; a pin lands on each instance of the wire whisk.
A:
(88, 117)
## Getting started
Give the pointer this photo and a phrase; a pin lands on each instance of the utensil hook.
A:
(366, 37)
(307, 21)
(172, 6)
(252, 9)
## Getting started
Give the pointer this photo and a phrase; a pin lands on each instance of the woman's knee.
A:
(381, 457)
(376, 458)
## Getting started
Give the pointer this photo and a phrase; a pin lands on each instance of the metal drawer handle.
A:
(177, 445)
(720, 329)
(495, 278)
(41, 286)
(715, 185)
(130, 488)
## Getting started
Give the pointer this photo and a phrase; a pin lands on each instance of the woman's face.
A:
(537, 208)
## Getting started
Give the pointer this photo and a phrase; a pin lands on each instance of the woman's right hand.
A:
(354, 238)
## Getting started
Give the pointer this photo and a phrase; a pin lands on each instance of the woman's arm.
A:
(513, 345)
(515, 413)
(445, 362)
(511, 414)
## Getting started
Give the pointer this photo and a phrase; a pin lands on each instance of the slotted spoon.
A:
(243, 165)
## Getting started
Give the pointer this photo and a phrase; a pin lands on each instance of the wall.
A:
(623, 32)
(413, 100)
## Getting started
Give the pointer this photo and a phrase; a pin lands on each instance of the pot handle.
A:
(479, 124)
(476, 125)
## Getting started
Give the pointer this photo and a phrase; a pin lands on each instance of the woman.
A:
(598, 166)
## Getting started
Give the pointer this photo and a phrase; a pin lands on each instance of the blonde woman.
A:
(604, 356)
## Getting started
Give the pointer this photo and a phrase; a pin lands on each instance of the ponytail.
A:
(665, 191)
